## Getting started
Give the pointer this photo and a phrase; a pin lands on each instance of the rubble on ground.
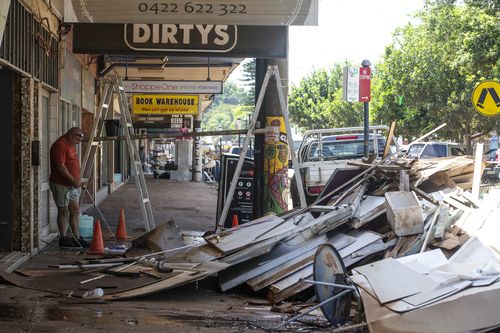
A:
(413, 222)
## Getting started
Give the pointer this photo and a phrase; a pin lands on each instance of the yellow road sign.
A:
(486, 98)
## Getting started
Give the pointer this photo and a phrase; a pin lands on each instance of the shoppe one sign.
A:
(187, 39)
(241, 12)
(167, 87)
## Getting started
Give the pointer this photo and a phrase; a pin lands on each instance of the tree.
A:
(249, 80)
(430, 70)
(317, 101)
(228, 110)
(232, 94)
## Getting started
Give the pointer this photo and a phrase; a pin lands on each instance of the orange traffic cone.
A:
(121, 229)
(97, 245)
(235, 221)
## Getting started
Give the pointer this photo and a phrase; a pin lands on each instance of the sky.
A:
(350, 30)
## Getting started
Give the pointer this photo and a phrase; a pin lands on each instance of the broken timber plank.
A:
(294, 289)
(385, 167)
(291, 284)
(197, 254)
(168, 283)
(235, 239)
(278, 272)
(290, 280)
(281, 271)
(389, 139)
(245, 271)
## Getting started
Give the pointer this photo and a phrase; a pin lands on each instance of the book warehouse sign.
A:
(165, 104)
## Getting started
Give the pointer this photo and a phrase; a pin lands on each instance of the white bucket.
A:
(86, 226)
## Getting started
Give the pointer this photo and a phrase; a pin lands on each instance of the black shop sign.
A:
(243, 197)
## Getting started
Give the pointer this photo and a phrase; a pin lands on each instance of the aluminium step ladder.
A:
(116, 86)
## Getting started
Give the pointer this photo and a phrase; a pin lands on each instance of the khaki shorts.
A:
(64, 194)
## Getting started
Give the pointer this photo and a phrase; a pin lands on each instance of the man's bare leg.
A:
(61, 221)
(73, 218)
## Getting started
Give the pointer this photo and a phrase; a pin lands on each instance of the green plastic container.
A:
(86, 226)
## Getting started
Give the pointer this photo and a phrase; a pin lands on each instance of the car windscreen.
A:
(344, 149)
(415, 150)
(434, 151)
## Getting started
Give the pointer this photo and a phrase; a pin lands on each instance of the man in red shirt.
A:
(65, 185)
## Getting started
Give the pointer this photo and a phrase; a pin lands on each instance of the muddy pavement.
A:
(191, 308)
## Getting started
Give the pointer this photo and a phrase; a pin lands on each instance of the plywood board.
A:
(392, 280)
(235, 239)
(159, 285)
(363, 238)
(282, 253)
(289, 292)
(69, 282)
(291, 279)
(339, 240)
(370, 208)
(454, 311)
(197, 254)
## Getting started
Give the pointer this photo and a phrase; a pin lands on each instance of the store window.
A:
(64, 119)
(70, 116)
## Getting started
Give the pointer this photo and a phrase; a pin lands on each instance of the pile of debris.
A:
(392, 209)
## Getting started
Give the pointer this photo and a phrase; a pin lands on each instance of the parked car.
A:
(425, 150)
(324, 151)
(491, 172)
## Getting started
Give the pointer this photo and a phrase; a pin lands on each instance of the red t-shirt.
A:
(62, 153)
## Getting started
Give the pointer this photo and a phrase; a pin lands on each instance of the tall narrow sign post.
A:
(356, 88)
(364, 96)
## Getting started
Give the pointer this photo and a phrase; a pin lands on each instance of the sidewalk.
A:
(199, 307)
(192, 205)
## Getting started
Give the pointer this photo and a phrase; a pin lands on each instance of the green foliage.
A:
(430, 70)
(232, 94)
(249, 80)
(317, 101)
(227, 109)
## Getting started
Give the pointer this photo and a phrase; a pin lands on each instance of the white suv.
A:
(424, 150)
(326, 150)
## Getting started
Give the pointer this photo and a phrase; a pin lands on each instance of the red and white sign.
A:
(357, 84)
(364, 84)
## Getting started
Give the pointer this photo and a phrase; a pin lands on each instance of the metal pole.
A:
(197, 162)
(312, 309)
(366, 127)
(243, 153)
(295, 161)
(336, 285)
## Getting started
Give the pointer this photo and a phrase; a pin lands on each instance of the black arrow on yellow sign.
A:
(484, 94)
